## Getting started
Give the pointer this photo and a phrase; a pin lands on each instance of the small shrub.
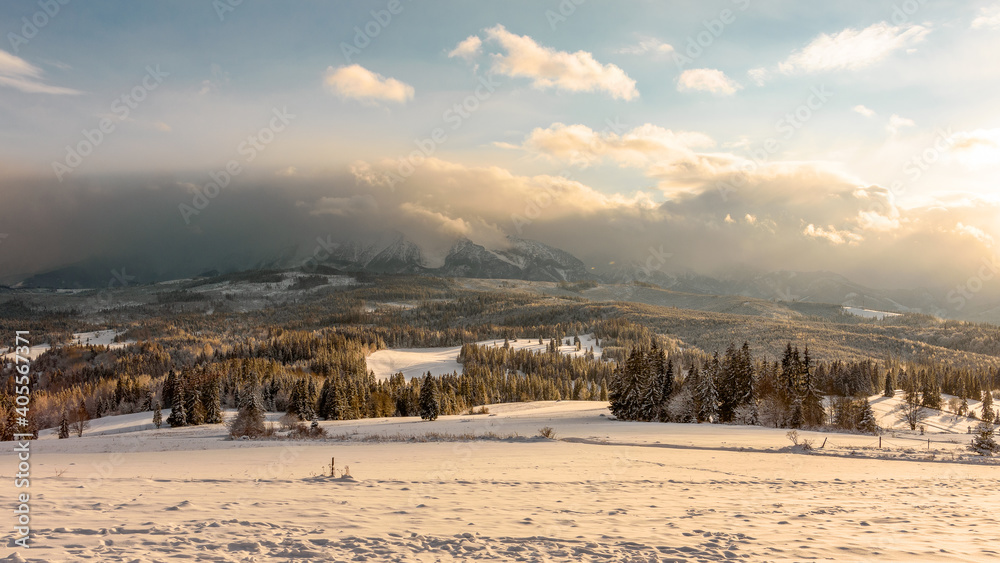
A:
(547, 432)
(288, 421)
(245, 425)
(301, 431)
(793, 435)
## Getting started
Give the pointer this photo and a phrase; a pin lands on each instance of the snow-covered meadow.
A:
(416, 362)
(601, 490)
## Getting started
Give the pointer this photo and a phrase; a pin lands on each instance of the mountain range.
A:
(529, 260)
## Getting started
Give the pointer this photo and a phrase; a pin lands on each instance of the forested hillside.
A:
(302, 342)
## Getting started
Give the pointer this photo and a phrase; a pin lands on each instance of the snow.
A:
(887, 414)
(869, 313)
(603, 490)
(93, 338)
(416, 362)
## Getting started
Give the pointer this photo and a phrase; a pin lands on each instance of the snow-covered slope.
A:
(416, 362)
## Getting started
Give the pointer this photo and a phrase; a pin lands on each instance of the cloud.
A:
(863, 110)
(18, 73)
(796, 217)
(759, 75)
(548, 68)
(832, 235)
(647, 46)
(355, 82)
(852, 49)
(896, 123)
(673, 158)
(988, 18)
(468, 49)
(976, 149)
(707, 80)
(974, 232)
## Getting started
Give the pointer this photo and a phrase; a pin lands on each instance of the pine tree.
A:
(653, 384)
(867, 422)
(983, 442)
(912, 413)
(211, 398)
(888, 389)
(666, 383)
(987, 415)
(64, 428)
(813, 414)
(168, 388)
(300, 401)
(178, 414)
(706, 396)
(193, 405)
(249, 419)
(157, 416)
(930, 393)
(430, 399)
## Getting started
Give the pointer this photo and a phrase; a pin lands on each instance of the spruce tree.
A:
(987, 415)
(211, 398)
(888, 390)
(178, 414)
(813, 413)
(64, 427)
(983, 442)
(300, 401)
(168, 388)
(249, 420)
(930, 392)
(867, 422)
(707, 398)
(666, 383)
(193, 405)
(157, 416)
(430, 399)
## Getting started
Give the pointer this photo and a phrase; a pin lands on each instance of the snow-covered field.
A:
(602, 490)
(94, 338)
(869, 313)
(416, 362)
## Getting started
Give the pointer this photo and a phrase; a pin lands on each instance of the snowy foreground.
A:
(602, 490)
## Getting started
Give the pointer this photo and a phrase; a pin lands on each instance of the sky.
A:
(855, 137)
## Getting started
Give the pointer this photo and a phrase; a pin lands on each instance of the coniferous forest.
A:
(199, 352)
